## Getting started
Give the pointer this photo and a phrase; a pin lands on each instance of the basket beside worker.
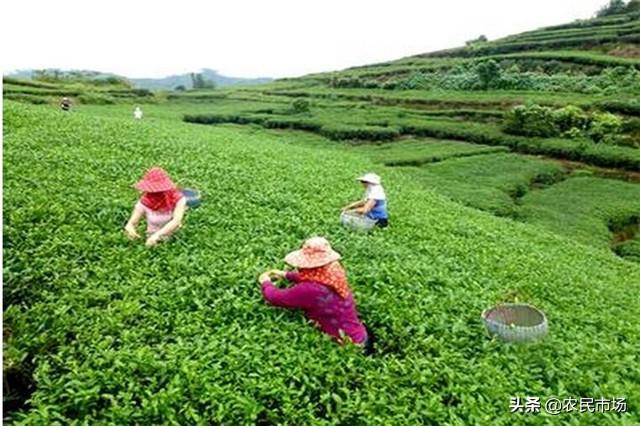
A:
(356, 221)
(192, 196)
(516, 322)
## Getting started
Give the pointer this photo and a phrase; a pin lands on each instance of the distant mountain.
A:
(166, 83)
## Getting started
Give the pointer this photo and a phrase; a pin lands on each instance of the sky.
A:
(241, 38)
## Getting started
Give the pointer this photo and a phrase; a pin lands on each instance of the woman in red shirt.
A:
(321, 290)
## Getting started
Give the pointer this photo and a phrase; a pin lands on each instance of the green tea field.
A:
(512, 169)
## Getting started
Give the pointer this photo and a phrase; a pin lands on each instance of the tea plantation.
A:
(512, 169)
(102, 330)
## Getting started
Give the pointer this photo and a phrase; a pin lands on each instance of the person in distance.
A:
(162, 205)
(374, 203)
(137, 113)
(321, 290)
(65, 104)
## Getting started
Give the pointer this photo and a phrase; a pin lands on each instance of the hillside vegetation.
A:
(109, 331)
(512, 170)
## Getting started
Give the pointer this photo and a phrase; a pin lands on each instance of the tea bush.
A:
(120, 334)
(300, 105)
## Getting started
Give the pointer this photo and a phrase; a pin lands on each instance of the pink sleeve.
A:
(292, 276)
(298, 296)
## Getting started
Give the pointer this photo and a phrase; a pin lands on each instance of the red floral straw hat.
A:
(155, 180)
(315, 252)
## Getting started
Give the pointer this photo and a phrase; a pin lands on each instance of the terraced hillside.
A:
(512, 169)
(577, 110)
(42, 92)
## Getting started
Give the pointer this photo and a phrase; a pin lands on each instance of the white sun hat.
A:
(370, 178)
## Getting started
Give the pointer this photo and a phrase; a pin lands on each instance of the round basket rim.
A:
(521, 305)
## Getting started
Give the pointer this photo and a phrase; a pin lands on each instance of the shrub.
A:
(605, 126)
(475, 41)
(571, 118)
(92, 98)
(416, 80)
(489, 73)
(292, 123)
(300, 105)
(631, 107)
(614, 7)
(531, 120)
(23, 97)
(370, 133)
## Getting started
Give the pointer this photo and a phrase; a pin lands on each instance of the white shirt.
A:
(137, 113)
(374, 192)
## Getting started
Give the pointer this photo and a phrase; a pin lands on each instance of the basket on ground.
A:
(192, 196)
(516, 322)
(356, 221)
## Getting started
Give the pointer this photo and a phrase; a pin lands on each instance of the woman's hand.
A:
(276, 273)
(264, 277)
(152, 240)
(131, 232)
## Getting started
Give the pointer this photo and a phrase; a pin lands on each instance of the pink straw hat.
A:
(315, 252)
(155, 180)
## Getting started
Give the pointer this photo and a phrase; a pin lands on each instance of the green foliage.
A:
(604, 126)
(489, 74)
(476, 41)
(300, 106)
(633, 6)
(531, 120)
(582, 207)
(629, 250)
(199, 81)
(369, 133)
(571, 119)
(96, 99)
(119, 334)
(491, 182)
(614, 7)
(83, 77)
(631, 107)
(415, 152)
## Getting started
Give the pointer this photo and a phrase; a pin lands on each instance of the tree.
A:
(199, 82)
(612, 8)
(489, 73)
(180, 88)
(481, 39)
(48, 75)
(633, 6)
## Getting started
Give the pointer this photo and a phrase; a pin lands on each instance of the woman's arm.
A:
(130, 227)
(366, 207)
(298, 296)
(172, 225)
(354, 205)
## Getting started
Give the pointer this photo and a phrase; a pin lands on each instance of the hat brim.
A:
(364, 179)
(298, 259)
(151, 187)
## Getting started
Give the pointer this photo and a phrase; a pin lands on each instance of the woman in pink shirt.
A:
(162, 205)
(321, 290)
